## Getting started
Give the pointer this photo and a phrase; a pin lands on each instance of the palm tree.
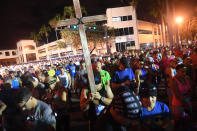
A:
(44, 31)
(35, 36)
(54, 19)
(158, 10)
(69, 12)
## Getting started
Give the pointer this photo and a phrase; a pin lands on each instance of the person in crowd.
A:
(124, 112)
(56, 97)
(155, 115)
(81, 80)
(16, 82)
(95, 103)
(105, 77)
(181, 90)
(170, 74)
(123, 76)
(140, 75)
(72, 70)
(41, 113)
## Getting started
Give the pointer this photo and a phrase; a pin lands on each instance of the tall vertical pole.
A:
(85, 46)
(169, 18)
(106, 41)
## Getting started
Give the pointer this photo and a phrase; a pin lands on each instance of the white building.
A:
(130, 32)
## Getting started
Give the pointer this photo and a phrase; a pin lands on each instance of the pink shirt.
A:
(183, 89)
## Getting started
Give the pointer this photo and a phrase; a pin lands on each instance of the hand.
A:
(91, 97)
(97, 95)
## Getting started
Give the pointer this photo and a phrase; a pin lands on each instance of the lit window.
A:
(116, 19)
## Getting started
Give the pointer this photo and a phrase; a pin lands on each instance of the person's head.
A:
(123, 63)
(97, 79)
(173, 63)
(12, 75)
(82, 64)
(19, 73)
(71, 62)
(98, 66)
(30, 82)
(24, 99)
(148, 95)
(7, 83)
(181, 70)
(41, 77)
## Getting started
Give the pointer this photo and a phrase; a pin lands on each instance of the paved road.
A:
(78, 123)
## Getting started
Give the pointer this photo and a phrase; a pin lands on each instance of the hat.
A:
(148, 89)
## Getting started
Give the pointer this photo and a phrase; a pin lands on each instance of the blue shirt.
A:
(58, 72)
(64, 81)
(122, 76)
(15, 83)
(151, 118)
(72, 70)
(160, 108)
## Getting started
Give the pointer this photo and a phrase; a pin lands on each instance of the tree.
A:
(69, 12)
(44, 31)
(54, 19)
(61, 44)
(189, 29)
(94, 37)
(158, 10)
(35, 36)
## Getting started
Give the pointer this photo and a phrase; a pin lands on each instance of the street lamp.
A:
(179, 21)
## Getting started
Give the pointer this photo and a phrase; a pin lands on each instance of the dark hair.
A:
(180, 66)
(97, 77)
(82, 61)
(19, 73)
(124, 62)
(11, 72)
(148, 89)
(28, 82)
(23, 94)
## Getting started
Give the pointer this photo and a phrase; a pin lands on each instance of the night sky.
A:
(20, 17)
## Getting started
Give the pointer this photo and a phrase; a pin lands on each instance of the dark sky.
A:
(20, 17)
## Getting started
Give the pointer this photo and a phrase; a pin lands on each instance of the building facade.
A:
(130, 34)
(8, 57)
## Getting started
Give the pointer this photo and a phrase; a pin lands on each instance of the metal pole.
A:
(106, 41)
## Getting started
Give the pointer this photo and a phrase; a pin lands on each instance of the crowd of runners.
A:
(131, 92)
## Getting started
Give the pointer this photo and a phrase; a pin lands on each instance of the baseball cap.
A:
(148, 89)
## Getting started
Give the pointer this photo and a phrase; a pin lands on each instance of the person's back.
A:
(124, 112)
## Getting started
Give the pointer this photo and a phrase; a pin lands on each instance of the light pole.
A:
(179, 21)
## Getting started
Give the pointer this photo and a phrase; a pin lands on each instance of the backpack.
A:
(127, 103)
